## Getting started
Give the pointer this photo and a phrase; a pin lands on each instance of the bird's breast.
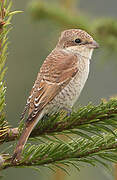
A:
(70, 93)
(76, 85)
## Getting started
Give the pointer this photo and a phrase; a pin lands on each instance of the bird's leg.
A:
(68, 110)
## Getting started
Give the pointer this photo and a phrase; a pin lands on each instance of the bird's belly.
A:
(68, 96)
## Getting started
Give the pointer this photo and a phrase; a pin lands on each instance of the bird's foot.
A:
(67, 110)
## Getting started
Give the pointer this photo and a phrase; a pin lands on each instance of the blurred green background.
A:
(30, 43)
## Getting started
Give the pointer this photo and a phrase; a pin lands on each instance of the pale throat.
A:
(82, 51)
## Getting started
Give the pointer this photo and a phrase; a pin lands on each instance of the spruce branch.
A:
(87, 119)
(78, 150)
(104, 29)
(3, 55)
(5, 19)
(53, 151)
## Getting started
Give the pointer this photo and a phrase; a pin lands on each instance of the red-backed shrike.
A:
(60, 80)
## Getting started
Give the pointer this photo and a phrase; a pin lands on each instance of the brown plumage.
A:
(60, 80)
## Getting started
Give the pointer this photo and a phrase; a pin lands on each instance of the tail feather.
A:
(22, 141)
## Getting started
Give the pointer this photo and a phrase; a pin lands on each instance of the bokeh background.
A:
(31, 41)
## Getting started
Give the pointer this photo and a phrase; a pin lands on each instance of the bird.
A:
(59, 82)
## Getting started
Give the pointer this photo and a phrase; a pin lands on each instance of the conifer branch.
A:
(78, 150)
(93, 119)
(5, 20)
(99, 120)
(3, 55)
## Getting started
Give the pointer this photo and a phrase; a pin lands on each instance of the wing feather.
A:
(56, 72)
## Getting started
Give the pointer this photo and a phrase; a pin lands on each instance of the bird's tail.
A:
(22, 141)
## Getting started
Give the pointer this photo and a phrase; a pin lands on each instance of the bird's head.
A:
(77, 41)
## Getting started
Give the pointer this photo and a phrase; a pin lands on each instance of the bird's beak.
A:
(94, 44)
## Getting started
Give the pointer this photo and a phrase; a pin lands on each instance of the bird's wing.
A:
(56, 72)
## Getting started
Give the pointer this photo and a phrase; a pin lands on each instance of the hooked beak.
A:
(93, 44)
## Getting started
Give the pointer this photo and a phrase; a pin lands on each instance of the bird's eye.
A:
(78, 40)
